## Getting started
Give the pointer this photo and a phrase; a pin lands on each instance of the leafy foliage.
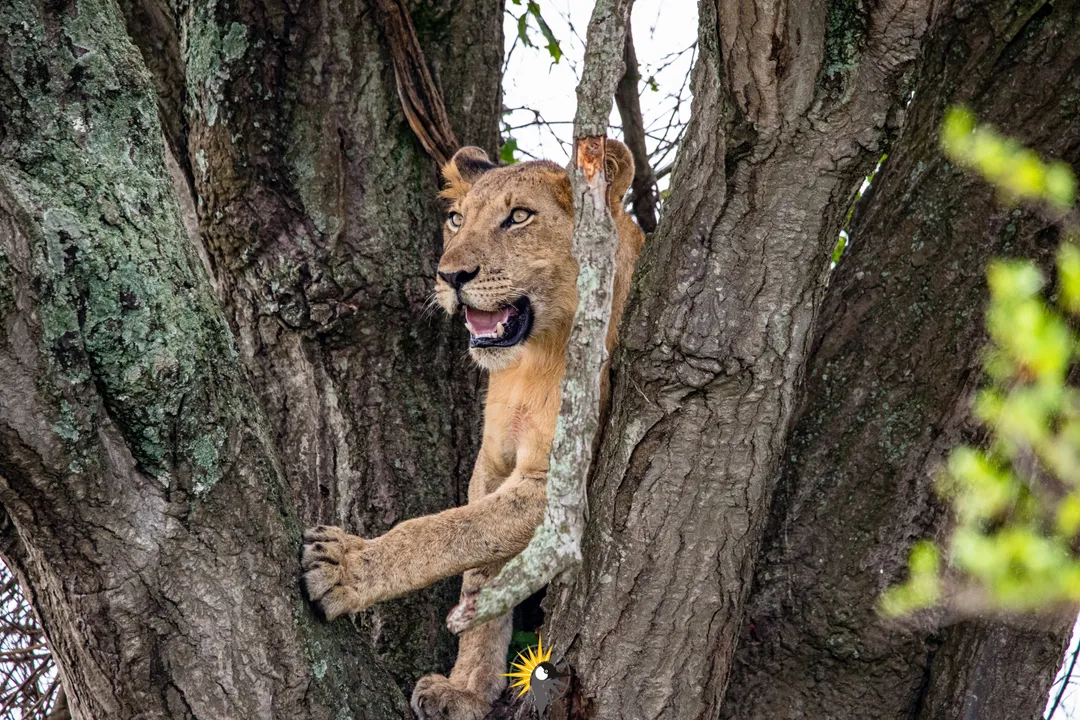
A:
(520, 641)
(532, 10)
(1016, 171)
(506, 152)
(1017, 498)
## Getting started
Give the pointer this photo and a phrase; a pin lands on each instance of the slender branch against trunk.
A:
(786, 118)
(888, 391)
(421, 100)
(1068, 668)
(644, 198)
(556, 545)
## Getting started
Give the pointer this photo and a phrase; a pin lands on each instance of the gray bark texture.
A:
(158, 456)
(792, 103)
(319, 209)
(888, 389)
(178, 403)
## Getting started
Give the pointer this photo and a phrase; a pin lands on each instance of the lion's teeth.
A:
(500, 329)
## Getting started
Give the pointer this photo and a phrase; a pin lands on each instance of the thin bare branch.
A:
(644, 198)
(28, 680)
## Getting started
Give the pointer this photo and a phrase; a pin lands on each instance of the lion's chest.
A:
(522, 411)
(512, 433)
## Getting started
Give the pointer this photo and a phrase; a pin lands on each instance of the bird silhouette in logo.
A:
(535, 674)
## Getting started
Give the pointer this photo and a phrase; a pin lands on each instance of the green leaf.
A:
(1013, 546)
(523, 30)
(1061, 185)
(1069, 276)
(553, 43)
(651, 82)
(1068, 516)
(956, 131)
(506, 152)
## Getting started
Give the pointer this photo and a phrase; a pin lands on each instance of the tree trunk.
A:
(319, 208)
(888, 391)
(175, 407)
(791, 105)
(158, 472)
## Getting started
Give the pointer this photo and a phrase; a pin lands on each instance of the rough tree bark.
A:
(318, 206)
(792, 102)
(156, 471)
(139, 476)
(171, 416)
(887, 392)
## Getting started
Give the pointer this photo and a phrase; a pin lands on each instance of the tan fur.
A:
(345, 573)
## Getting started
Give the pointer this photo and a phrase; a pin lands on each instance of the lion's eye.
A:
(455, 219)
(520, 215)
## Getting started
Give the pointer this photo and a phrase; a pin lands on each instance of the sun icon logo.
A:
(534, 673)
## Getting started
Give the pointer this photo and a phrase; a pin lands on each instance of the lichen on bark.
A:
(91, 175)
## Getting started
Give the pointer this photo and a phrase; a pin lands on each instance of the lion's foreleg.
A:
(345, 573)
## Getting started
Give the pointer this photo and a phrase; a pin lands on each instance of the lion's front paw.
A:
(340, 572)
(437, 698)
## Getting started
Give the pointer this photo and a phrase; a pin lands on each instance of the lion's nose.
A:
(460, 277)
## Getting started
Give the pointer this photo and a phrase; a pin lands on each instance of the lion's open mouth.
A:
(505, 327)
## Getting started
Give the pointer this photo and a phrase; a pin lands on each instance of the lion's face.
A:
(508, 265)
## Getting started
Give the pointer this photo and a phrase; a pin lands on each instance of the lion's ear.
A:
(619, 169)
(462, 170)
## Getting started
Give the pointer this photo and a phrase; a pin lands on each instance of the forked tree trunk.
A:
(792, 103)
(713, 348)
(888, 389)
(173, 413)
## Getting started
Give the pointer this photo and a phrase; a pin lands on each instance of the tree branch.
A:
(421, 98)
(643, 195)
(556, 544)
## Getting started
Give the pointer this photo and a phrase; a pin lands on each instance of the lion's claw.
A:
(340, 573)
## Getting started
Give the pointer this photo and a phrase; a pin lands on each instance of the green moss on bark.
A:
(212, 50)
(121, 302)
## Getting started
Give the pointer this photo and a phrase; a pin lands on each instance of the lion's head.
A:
(507, 260)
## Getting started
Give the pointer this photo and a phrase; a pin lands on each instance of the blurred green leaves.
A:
(506, 152)
(1016, 498)
(1015, 170)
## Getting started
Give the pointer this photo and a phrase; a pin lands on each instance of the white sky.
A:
(1070, 701)
(665, 35)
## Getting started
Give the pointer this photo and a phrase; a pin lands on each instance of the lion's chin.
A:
(494, 359)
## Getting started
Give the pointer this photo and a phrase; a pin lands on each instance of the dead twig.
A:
(644, 197)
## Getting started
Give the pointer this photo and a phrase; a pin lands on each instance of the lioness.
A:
(508, 263)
